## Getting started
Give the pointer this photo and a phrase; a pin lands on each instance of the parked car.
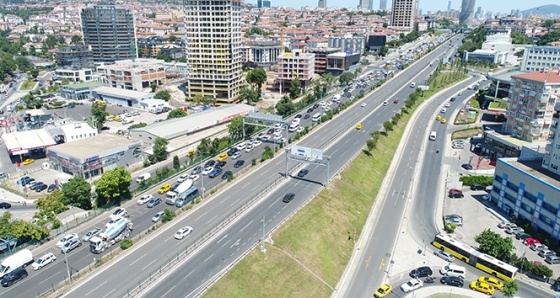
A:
(94, 231)
(538, 247)
(444, 255)
(452, 281)
(530, 241)
(546, 252)
(505, 225)
(552, 260)
(522, 236)
(454, 220)
(14, 277)
(153, 202)
(420, 272)
(478, 187)
(411, 285)
(514, 230)
(157, 216)
(43, 261)
(288, 197)
(51, 188)
(466, 166)
(454, 190)
(455, 195)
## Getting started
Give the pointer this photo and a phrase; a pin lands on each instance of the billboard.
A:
(307, 152)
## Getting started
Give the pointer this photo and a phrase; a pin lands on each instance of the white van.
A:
(20, 259)
(293, 127)
(316, 117)
(143, 177)
(453, 270)
(433, 136)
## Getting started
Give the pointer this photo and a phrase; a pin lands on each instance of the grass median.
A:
(27, 85)
(311, 250)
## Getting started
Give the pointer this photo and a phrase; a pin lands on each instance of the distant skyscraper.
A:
(322, 3)
(449, 5)
(383, 4)
(467, 11)
(370, 5)
(213, 43)
(263, 3)
(364, 4)
(403, 13)
(109, 30)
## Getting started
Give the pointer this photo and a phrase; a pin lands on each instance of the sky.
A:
(432, 5)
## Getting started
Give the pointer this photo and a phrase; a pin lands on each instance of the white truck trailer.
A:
(171, 196)
(20, 259)
(113, 234)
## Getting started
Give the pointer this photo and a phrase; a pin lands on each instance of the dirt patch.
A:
(466, 133)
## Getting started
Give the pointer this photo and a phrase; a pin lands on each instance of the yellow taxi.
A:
(191, 152)
(117, 118)
(482, 287)
(222, 157)
(494, 282)
(383, 291)
(359, 126)
(165, 188)
(438, 118)
(28, 161)
(443, 120)
(111, 116)
(100, 102)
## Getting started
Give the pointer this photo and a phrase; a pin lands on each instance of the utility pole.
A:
(263, 249)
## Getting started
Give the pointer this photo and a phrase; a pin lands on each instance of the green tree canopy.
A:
(248, 94)
(99, 115)
(163, 94)
(518, 38)
(256, 77)
(160, 149)
(346, 77)
(176, 113)
(112, 186)
(172, 38)
(493, 244)
(510, 288)
(550, 36)
(77, 192)
(295, 88)
(285, 106)
(235, 128)
(76, 39)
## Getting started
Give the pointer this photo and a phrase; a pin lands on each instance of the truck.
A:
(114, 233)
(172, 196)
(143, 177)
(20, 259)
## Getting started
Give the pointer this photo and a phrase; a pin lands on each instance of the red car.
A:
(455, 190)
(530, 241)
(493, 163)
(396, 101)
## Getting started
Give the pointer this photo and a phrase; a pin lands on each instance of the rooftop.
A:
(545, 77)
(85, 148)
(535, 169)
(84, 85)
(122, 93)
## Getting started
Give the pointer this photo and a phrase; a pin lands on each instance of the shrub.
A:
(126, 243)
(168, 215)
(483, 180)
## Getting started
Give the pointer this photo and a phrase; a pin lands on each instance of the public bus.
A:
(475, 258)
(191, 194)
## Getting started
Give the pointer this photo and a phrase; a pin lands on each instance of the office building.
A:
(337, 63)
(264, 52)
(403, 14)
(136, 74)
(322, 4)
(551, 160)
(213, 42)
(449, 5)
(467, 11)
(541, 57)
(74, 75)
(263, 3)
(531, 105)
(321, 58)
(109, 31)
(74, 56)
(383, 5)
(353, 44)
(364, 4)
(296, 64)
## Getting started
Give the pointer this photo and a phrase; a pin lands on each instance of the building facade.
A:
(74, 75)
(348, 44)
(541, 57)
(321, 58)
(79, 91)
(338, 63)
(74, 57)
(152, 46)
(531, 105)
(265, 53)
(109, 31)
(263, 3)
(213, 42)
(296, 64)
(467, 11)
(136, 74)
(551, 159)
(403, 13)
(322, 4)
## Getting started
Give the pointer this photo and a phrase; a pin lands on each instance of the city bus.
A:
(189, 196)
(475, 258)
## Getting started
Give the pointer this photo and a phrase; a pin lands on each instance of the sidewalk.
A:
(13, 198)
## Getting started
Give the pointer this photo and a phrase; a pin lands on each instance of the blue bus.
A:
(187, 197)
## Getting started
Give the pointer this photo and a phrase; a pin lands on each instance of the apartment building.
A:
(213, 42)
(110, 32)
(354, 44)
(265, 52)
(74, 75)
(296, 64)
(531, 105)
(321, 58)
(551, 159)
(152, 46)
(74, 56)
(541, 57)
(135, 74)
(403, 14)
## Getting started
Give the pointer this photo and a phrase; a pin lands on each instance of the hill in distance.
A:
(543, 10)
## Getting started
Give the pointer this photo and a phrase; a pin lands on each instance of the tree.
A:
(550, 36)
(153, 85)
(257, 77)
(329, 79)
(295, 88)
(510, 288)
(76, 39)
(165, 57)
(168, 215)
(518, 38)
(183, 59)
(197, 99)
(493, 244)
(176, 162)
(163, 94)
(34, 73)
(160, 149)
(346, 78)
(112, 186)
(285, 106)
(550, 23)
(235, 128)
(23, 63)
(176, 113)
(388, 126)
(99, 115)
(172, 38)
(248, 94)
(77, 192)
(49, 205)
(371, 144)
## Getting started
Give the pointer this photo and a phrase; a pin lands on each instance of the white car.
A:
(277, 137)
(44, 261)
(385, 102)
(144, 199)
(194, 177)
(443, 110)
(118, 214)
(183, 232)
(411, 285)
(249, 148)
(242, 145)
(236, 155)
(65, 239)
(300, 129)
(250, 141)
(157, 216)
(363, 104)
(447, 105)
(182, 178)
(265, 138)
(256, 143)
(444, 255)
(207, 170)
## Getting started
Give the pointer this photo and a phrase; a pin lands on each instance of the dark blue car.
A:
(215, 173)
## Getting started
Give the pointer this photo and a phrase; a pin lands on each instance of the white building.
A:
(541, 57)
(354, 44)
(74, 75)
(77, 131)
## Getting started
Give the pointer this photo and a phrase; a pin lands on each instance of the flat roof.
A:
(504, 77)
(36, 112)
(84, 85)
(121, 93)
(21, 141)
(91, 146)
(172, 128)
(535, 169)
(341, 55)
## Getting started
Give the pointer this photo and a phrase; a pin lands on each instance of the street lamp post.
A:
(263, 249)
(202, 183)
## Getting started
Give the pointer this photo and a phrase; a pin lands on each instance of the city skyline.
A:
(425, 5)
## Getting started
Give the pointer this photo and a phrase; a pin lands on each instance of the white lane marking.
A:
(200, 216)
(149, 264)
(110, 293)
(140, 258)
(168, 291)
(225, 243)
(234, 202)
(211, 219)
(188, 275)
(246, 226)
(222, 238)
(208, 258)
(96, 288)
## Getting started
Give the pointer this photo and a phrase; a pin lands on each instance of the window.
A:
(496, 189)
(550, 208)
(498, 178)
(510, 197)
(546, 220)
(531, 197)
(527, 208)
(512, 186)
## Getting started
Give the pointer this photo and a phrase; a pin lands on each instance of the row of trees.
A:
(473, 40)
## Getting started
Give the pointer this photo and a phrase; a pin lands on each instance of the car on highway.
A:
(482, 287)
(144, 199)
(242, 145)
(411, 285)
(386, 102)
(288, 197)
(359, 126)
(452, 281)
(43, 261)
(207, 171)
(157, 216)
(443, 120)
(14, 276)
(396, 101)
(265, 138)
(452, 99)
(5, 205)
(249, 148)
(153, 202)
(196, 170)
(70, 245)
(444, 255)
(221, 164)
(183, 178)
(232, 150)
(420, 272)
(28, 161)
(363, 104)
(194, 177)
(383, 291)
(447, 104)
(210, 163)
(236, 155)
(443, 110)
(307, 116)
(227, 174)
(302, 173)
(222, 157)
(183, 232)
(438, 118)
(118, 214)
(217, 171)
(164, 188)
(467, 166)
(92, 232)
(494, 282)
(67, 238)
(239, 163)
